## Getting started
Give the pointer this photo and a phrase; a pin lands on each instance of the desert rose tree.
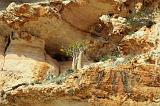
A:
(76, 50)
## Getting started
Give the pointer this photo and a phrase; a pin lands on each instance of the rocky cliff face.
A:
(126, 32)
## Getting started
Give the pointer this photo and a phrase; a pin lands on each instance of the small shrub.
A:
(103, 58)
(130, 32)
(116, 54)
(69, 71)
(61, 78)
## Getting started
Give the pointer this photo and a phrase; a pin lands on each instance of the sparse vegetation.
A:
(143, 17)
(61, 78)
(130, 32)
(103, 58)
(76, 50)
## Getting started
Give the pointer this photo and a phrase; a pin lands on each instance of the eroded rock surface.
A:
(33, 32)
(99, 84)
(25, 61)
(142, 41)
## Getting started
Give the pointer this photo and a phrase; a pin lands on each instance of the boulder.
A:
(25, 62)
(139, 42)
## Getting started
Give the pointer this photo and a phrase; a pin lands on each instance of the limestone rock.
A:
(55, 67)
(140, 42)
(36, 31)
(99, 81)
(25, 61)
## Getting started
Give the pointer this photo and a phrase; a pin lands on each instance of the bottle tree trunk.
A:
(79, 61)
(74, 62)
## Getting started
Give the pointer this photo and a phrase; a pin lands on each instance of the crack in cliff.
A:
(8, 43)
(3, 93)
(6, 47)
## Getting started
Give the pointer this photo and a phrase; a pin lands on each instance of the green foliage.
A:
(130, 32)
(69, 71)
(76, 47)
(114, 56)
(61, 78)
(102, 58)
(105, 58)
(76, 50)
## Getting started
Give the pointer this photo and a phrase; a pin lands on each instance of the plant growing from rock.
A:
(102, 58)
(113, 56)
(76, 50)
(59, 79)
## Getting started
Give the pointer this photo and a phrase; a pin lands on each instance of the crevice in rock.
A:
(4, 92)
(8, 43)
(16, 86)
(8, 40)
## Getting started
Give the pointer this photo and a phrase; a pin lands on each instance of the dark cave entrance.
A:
(57, 55)
(61, 57)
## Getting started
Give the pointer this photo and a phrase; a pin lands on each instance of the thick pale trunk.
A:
(79, 61)
(76, 59)
(74, 62)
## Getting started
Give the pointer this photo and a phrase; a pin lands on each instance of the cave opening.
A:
(57, 55)
(64, 61)
(61, 57)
